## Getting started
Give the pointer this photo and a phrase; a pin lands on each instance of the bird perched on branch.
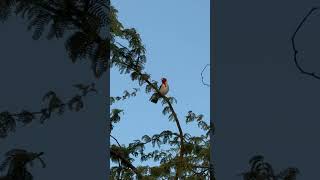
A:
(163, 89)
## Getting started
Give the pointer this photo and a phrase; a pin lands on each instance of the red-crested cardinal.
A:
(163, 89)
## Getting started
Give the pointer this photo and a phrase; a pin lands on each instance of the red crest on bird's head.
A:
(164, 80)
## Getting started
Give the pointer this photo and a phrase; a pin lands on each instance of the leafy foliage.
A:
(53, 104)
(16, 162)
(126, 94)
(7, 123)
(86, 22)
(83, 20)
(259, 169)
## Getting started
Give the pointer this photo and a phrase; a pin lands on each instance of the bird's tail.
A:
(154, 98)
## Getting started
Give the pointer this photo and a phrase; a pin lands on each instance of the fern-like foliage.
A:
(93, 30)
(83, 21)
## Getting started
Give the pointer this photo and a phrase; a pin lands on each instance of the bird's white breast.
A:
(164, 89)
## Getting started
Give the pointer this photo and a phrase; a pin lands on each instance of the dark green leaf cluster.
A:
(199, 119)
(120, 172)
(128, 58)
(115, 116)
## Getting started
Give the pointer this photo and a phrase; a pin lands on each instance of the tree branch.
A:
(115, 140)
(119, 171)
(126, 162)
(172, 111)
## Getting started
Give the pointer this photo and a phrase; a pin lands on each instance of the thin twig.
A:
(115, 140)
(119, 164)
(124, 160)
(202, 78)
(313, 74)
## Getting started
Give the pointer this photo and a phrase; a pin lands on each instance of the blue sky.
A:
(177, 39)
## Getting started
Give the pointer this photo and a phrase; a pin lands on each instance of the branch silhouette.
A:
(125, 161)
(312, 74)
(115, 140)
(202, 78)
(8, 120)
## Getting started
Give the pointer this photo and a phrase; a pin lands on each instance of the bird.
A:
(163, 89)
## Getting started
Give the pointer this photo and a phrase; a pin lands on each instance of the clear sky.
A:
(177, 39)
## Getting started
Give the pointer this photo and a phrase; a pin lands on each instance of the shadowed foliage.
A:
(83, 21)
(53, 104)
(16, 163)
(261, 170)
(82, 24)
